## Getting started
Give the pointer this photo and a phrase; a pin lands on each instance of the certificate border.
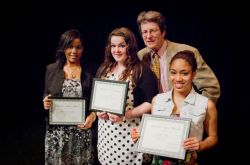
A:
(92, 107)
(178, 155)
(72, 99)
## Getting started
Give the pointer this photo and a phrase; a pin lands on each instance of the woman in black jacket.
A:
(69, 76)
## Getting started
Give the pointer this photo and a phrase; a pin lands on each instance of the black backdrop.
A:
(31, 35)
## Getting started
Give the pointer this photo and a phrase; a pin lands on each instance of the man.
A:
(153, 30)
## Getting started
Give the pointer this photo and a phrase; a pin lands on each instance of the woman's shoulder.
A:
(201, 97)
(146, 68)
(147, 72)
(52, 66)
(148, 78)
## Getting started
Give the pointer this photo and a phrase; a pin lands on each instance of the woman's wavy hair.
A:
(132, 63)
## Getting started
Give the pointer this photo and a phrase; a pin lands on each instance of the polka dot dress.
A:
(115, 145)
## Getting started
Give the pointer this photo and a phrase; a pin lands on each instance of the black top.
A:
(147, 87)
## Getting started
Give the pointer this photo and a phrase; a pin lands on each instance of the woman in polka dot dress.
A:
(121, 63)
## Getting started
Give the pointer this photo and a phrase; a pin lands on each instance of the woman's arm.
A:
(210, 126)
(138, 111)
(46, 100)
(146, 90)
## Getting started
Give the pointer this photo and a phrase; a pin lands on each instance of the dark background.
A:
(31, 34)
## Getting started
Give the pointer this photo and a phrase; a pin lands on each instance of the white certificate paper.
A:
(163, 136)
(67, 111)
(109, 96)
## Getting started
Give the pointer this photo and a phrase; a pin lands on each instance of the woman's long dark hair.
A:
(65, 42)
(132, 63)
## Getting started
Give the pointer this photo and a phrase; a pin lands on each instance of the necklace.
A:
(72, 73)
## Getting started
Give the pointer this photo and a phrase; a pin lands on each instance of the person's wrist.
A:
(199, 149)
(123, 118)
(131, 113)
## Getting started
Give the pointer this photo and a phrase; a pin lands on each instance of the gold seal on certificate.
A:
(67, 111)
(163, 136)
(109, 96)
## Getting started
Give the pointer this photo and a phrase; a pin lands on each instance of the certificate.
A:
(109, 96)
(67, 111)
(163, 136)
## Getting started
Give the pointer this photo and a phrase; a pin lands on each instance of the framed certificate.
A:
(67, 111)
(163, 136)
(109, 96)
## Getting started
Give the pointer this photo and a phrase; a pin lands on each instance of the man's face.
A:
(152, 35)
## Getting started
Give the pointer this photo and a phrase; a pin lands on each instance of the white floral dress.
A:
(69, 145)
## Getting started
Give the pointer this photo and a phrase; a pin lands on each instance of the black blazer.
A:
(54, 78)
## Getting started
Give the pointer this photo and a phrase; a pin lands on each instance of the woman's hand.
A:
(135, 134)
(88, 122)
(114, 118)
(47, 102)
(192, 144)
(102, 115)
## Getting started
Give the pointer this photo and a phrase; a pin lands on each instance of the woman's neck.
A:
(72, 70)
(181, 95)
(119, 68)
(72, 65)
